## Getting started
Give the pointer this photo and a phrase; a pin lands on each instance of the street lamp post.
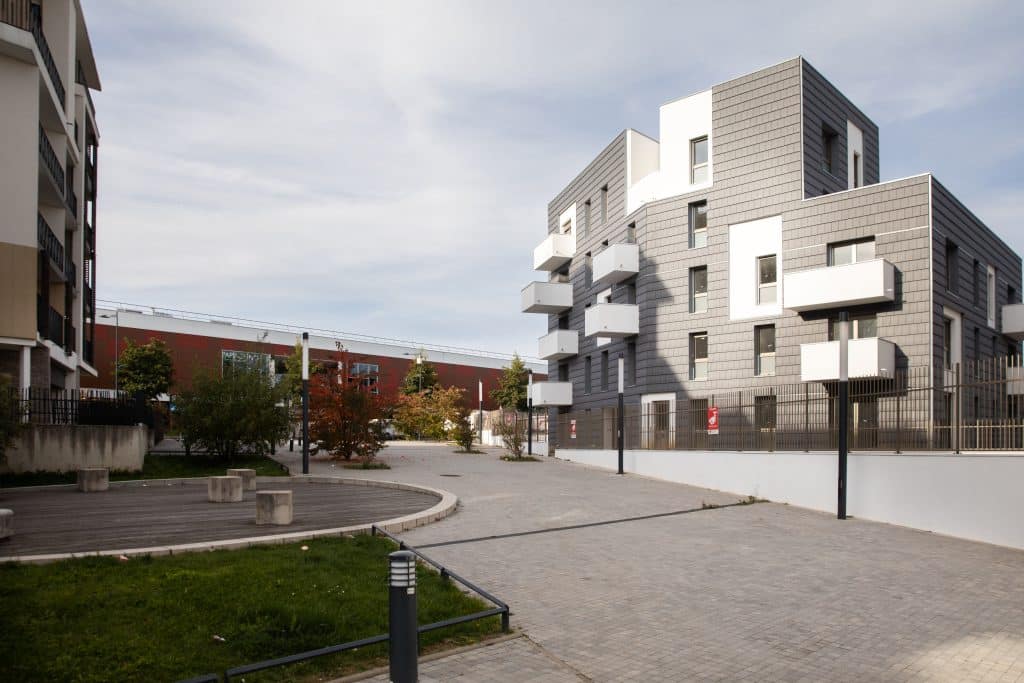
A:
(621, 417)
(305, 402)
(480, 404)
(844, 397)
(117, 321)
(529, 414)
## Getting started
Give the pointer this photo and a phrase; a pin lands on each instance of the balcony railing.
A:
(852, 284)
(48, 242)
(546, 297)
(49, 322)
(72, 200)
(559, 344)
(612, 320)
(867, 357)
(616, 263)
(44, 52)
(70, 270)
(17, 13)
(552, 394)
(49, 159)
(555, 251)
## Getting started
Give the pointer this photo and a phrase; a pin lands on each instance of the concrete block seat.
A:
(274, 507)
(93, 479)
(224, 489)
(248, 478)
(6, 523)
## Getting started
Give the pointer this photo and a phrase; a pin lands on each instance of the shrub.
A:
(462, 431)
(241, 411)
(512, 431)
(345, 418)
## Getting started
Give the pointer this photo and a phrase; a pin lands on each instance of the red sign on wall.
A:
(713, 420)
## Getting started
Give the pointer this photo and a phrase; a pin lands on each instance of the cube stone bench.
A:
(224, 489)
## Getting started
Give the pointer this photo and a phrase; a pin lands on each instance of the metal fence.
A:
(77, 407)
(974, 406)
(500, 609)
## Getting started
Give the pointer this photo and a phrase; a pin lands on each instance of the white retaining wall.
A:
(65, 448)
(976, 496)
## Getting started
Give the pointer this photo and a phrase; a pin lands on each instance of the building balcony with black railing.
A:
(49, 243)
(49, 159)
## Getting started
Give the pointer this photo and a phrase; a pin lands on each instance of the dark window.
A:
(947, 343)
(765, 411)
(975, 279)
(829, 144)
(588, 270)
(1011, 294)
(631, 293)
(699, 355)
(856, 170)
(631, 364)
(563, 372)
(699, 289)
(764, 350)
(586, 218)
(698, 225)
(767, 276)
(563, 322)
(604, 203)
(587, 381)
(861, 327)
(631, 233)
(604, 371)
(952, 267)
(977, 342)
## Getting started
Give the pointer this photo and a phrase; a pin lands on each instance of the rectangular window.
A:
(604, 371)
(631, 233)
(699, 355)
(604, 204)
(977, 342)
(975, 280)
(1011, 294)
(861, 327)
(699, 289)
(588, 270)
(698, 225)
(828, 145)
(563, 322)
(856, 170)
(952, 267)
(947, 343)
(249, 360)
(766, 279)
(586, 219)
(631, 364)
(563, 372)
(587, 381)
(843, 253)
(764, 350)
(630, 293)
(991, 308)
(765, 411)
(699, 160)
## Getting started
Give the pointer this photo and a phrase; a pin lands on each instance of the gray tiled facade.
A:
(766, 142)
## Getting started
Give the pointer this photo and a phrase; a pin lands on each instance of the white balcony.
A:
(554, 252)
(1015, 380)
(547, 297)
(1013, 321)
(616, 263)
(612, 320)
(559, 344)
(853, 284)
(869, 357)
(552, 394)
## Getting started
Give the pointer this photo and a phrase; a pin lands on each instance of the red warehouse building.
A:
(200, 342)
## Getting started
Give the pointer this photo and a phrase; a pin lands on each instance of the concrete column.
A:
(25, 375)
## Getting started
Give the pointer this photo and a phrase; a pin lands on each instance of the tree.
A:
(238, 412)
(512, 431)
(511, 391)
(146, 369)
(345, 417)
(462, 431)
(428, 414)
(10, 421)
(422, 376)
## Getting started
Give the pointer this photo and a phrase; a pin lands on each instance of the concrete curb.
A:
(437, 512)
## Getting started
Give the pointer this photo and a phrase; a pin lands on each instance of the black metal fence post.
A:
(402, 630)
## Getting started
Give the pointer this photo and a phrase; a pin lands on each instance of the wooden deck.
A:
(64, 520)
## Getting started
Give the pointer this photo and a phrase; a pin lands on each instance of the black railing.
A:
(49, 243)
(72, 200)
(87, 351)
(44, 52)
(49, 159)
(17, 13)
(70, 270)
(978, 405)
(71, 407)
(55, 326)
(500, 609)
(69, 336)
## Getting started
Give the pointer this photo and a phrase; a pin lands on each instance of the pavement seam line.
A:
(571, 527)
(557, 660)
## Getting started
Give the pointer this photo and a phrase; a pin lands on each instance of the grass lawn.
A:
(154, 619)
(156, 467)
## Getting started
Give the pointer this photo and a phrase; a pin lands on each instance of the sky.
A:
(385, 168)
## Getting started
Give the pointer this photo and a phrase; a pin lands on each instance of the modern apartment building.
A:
(49, 140)
(718, 257)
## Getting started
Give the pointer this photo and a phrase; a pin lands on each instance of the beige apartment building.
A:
(48, 148)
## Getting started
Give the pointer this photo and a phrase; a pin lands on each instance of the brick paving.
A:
(758, 592)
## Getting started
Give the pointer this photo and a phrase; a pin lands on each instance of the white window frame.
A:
(695, 232)
(763, 286)
(699, 368)
(760, 356)
(990, 292)
(854, 254)
(695, 298)
(694, 166)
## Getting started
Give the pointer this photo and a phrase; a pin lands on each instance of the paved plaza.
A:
(60, 519)
(753, 592)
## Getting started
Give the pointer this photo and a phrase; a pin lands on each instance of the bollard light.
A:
(403, 635)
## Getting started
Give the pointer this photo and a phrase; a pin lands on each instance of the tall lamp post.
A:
(621, 417)
(305, 402)
(844, 397)
(117, 324)
(480, 405)
(529, 413)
